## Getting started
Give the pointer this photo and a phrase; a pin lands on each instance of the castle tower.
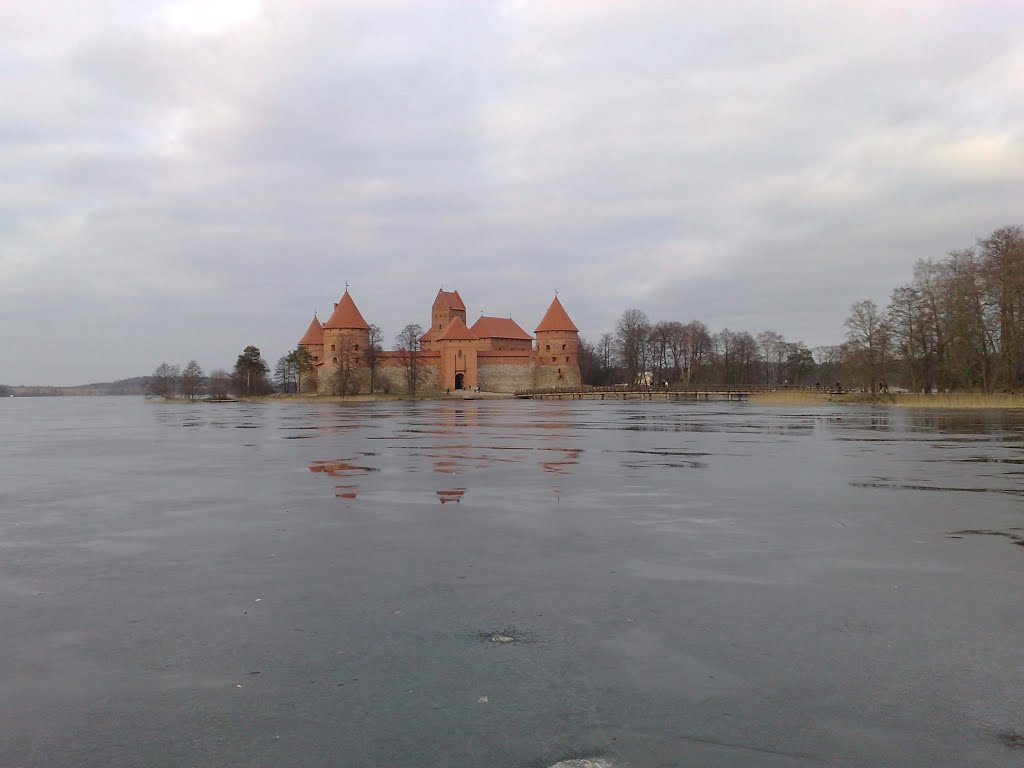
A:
(346, 339)
(313, 340)
(558, 349)
(447, 306)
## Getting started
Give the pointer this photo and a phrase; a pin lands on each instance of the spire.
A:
(556, 319)
(314, 334)
(346, 315)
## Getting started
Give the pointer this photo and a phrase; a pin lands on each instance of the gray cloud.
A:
(179, 180)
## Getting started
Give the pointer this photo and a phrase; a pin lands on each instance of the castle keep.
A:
(494, 355)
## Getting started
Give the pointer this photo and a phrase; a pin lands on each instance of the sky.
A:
(181, 179)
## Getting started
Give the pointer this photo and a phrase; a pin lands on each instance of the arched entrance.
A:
(460, 380)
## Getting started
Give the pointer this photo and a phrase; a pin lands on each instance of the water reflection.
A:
(452, 494)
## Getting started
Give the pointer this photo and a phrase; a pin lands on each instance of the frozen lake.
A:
(509, 583)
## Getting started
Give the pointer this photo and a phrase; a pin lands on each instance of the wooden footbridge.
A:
(633, 393)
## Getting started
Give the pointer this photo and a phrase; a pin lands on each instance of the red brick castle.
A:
(494, 355)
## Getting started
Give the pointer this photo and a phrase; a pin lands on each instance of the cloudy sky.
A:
(181, 179)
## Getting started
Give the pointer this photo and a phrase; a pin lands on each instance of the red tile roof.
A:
(456, 330)
(346, 315)
(450, 299)
(314, 334)
(556, 319)
(499, 328)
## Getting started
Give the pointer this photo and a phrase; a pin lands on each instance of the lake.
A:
(509, 583)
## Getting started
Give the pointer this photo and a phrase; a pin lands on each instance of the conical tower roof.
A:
(456, 330)
(346, 315)
(314, 334)
(556, 319)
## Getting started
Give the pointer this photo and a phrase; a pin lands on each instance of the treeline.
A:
(132, 386)
(958, 325)
(640, 352)
(294, 372)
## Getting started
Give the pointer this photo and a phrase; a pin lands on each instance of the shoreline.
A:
(943, 400)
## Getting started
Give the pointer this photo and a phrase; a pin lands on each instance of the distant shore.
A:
(950, 400)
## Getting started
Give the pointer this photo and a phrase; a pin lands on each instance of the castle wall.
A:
(551, 376)
(391, 372)
(505, 377)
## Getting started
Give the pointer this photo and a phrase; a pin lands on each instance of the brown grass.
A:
(942, 400)
(791, 397)
(960, 400)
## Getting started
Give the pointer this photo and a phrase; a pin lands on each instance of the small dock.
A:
(633, 393)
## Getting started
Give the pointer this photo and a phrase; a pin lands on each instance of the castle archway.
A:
(460, 380)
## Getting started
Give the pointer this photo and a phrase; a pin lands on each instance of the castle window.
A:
(547, 347)
(567, 358)
(335, 359)
(460, 353)
(552, 358)
(357, 360)
(563, 347)
(332, 348)
(357, 347)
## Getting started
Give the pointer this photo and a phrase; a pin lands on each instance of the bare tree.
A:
(631, 339)
(373, 351)
(408, 342)
(164, 381)
(192, 380)
(696, 348)
(305, 367)
(218, 384)
(606, 356)
(1002, 270)
(285, 374)
(345, 379)
(590, 363)
(869, 337)
(773, 350)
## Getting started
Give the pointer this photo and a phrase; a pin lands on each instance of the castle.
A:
(494, 355)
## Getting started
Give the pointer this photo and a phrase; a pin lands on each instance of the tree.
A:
(695, 351)
(305, 367)
(285, 373)
(1002, 271)
(345, 379)
(773, 349)
(373, 350)
(164, 381)
(218, 384)
(250, 374)
(590, 363)
(799, 363)
(631, 340)
(606, 355)
(869, 337)
(191, 380)
(408, 343)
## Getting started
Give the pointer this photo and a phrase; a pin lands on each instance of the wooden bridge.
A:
(633, 393)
